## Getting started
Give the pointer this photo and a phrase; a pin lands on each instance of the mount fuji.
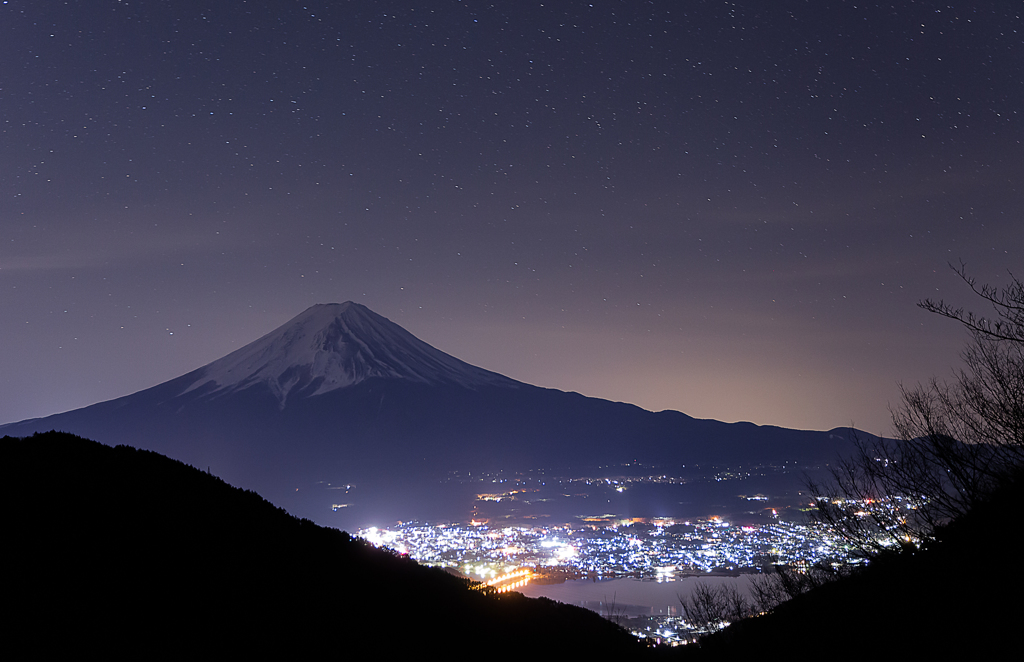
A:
(334, 346)
(346, 418)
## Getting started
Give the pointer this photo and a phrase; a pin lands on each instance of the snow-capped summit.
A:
(364, 404)
(332, 346)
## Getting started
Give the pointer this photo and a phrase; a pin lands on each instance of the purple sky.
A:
(729, 209)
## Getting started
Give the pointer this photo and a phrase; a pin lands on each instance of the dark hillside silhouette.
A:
(125, 552)
(342, 396)
(955, 598)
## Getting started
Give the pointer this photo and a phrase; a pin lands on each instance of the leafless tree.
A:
(613, 611)
(954, 441)
(1007, 322)
(772, 588)
(710, 608)
(769, 591)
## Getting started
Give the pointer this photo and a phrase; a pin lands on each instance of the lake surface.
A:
(629, 596)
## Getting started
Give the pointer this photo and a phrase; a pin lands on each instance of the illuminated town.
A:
(659, 549)
(505, 556)
(640, 548)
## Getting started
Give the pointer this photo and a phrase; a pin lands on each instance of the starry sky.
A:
(725, 208)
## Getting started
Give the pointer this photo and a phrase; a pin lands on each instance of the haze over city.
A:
(728, 209)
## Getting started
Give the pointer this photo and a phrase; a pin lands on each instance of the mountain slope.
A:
(332, 346)
(128, 553)
(340, 396)
(953, 599)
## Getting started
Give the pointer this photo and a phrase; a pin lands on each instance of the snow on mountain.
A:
(332, 346)
(395, 417)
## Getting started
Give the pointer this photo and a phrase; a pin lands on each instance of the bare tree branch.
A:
(1007, 303)
(708, 608)
(955, 442)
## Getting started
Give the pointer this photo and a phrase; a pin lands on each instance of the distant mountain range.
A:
(342, 416)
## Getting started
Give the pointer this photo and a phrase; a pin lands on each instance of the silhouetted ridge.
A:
(342, 396)
(126, 552)
(953, 599)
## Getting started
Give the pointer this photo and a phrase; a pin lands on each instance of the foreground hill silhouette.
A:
(121, 552)
(340, 397)
(958, 597)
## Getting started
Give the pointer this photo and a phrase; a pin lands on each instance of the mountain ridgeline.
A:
(128, 554)
(342, 416)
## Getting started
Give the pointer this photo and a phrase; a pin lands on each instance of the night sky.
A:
(725, 208)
